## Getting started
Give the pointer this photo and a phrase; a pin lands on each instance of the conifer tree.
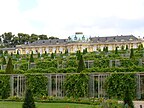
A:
(128, 99)
(116, 50)
(9, 68)
(3, 60)
(28, 101)
(31, 57)
(132, 53)
(38, 55)
(126, 47)
(122, 47)
(78, 54)
(106, 49)
(52, 55)
(81, 65)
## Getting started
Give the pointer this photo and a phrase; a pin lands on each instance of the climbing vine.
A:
(117, 84)
(76, 85)
(37, 84)
(4, 86)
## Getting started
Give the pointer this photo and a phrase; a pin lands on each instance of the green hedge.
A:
(4, 86)
(117, 84)
(37, 84)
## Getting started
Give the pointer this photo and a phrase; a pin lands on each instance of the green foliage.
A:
(117, 84)
(76, 85)
(127, 47)
(101, 63)
(78, 54)
(38, 55)
(5, 52)
(31, 57)
(4, 86)
(3, 60)
(47, 64)
(24, 66)
(1, 52)
(81, 65)
(128, 98)
(66, 51)
(10, 67)
(37, 84)
(132, 53)
(122, 47)
(28, 101)
(52, 56)
(116, 50)
(85, 51)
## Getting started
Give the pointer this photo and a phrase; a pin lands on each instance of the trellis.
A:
(56, 81)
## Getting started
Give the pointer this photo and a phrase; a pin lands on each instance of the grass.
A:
(44, 105)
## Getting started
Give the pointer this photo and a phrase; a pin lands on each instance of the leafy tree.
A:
(81, 65)
(43, 37)
(23, 38)
(132, 53)
(7, 38)
(9, 68)
(31, 57)
(3, 60)
(28, 101)
(52, 37)
(33, 38)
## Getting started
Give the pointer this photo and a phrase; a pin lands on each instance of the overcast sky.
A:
(62, 18)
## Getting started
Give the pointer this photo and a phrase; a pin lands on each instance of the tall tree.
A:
(7, 39)
(23, 38)
(128, 99)
(126, 47)
(43, 37)
(52, 37)
(33, 38)
(52, 55)
(81, 65)
(31, 57)
(132, 53)
(116, 50)
(3, 60)
(9, 68)
(28, 101)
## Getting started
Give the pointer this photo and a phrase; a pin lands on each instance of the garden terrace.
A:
(68, 84)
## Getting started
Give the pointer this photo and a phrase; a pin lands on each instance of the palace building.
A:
(76, 42)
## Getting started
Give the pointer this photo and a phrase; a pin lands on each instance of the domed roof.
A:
(78, 37)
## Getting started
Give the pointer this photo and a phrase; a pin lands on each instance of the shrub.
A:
(9, 68)
(28, 101)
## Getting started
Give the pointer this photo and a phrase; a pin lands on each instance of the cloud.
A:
(64, 17)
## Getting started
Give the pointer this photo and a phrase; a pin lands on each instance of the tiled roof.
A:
(49, 42)
(122, 38)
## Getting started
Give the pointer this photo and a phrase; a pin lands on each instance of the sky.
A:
(62, 18)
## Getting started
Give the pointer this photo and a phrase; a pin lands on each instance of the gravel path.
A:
(137, 104)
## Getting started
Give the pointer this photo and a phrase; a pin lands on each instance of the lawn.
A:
(44, 105)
